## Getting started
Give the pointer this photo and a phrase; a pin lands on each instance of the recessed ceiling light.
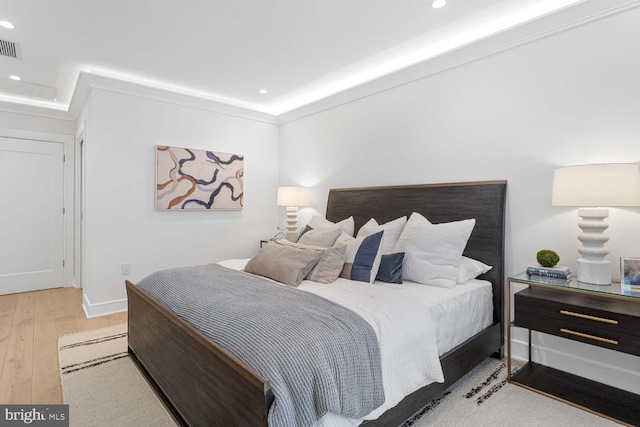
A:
(263, 91)
(6, 24)
(14, 77)
(437, 4)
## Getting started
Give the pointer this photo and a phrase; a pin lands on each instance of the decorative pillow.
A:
(470, 268)
(433, 251)
(346, 225)
(363, 256)
(285, 264)
(392, 231)
(330, 264)
(321, 238)
(390, 270)
(306, 228)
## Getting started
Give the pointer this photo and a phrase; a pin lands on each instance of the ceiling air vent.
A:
(10, 49)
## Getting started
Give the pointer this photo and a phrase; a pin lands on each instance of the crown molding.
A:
(552, 23)
(32, 110)
(86, 82)
(80, 95)
(545, 26)
(90, 81)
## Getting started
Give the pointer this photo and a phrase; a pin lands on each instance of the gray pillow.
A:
(330, 264)
(284, 264)
(320, 238)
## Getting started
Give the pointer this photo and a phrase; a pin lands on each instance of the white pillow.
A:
(363, 256)
(392, 231)
(433, 251)
(470, 268)
(319, 223)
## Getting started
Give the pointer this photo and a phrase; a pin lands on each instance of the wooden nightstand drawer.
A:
(607, 338)
(573, 316)
(612, 315)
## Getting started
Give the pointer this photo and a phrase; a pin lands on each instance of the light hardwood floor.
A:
(30, 324)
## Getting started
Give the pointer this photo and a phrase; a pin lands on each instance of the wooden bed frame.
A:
(202, 384)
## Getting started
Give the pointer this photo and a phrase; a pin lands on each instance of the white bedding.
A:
(414, 323)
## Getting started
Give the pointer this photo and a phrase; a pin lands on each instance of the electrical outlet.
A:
(126, 268)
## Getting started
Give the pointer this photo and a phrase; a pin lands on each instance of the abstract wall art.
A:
(188, 179)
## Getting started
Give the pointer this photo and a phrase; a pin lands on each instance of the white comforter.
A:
(414, 324)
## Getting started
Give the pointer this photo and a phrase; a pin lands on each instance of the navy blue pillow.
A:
(390, 270)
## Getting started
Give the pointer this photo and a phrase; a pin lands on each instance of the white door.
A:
(31, 217)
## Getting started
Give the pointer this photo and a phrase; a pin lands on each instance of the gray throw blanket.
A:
(318, 356)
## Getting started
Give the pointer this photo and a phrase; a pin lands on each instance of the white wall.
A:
(572, 98)
(120, 221)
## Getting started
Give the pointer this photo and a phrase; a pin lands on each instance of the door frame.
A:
(80, 147)
(68, 185)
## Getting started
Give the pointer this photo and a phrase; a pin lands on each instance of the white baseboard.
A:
(99, 309)
(596, 370)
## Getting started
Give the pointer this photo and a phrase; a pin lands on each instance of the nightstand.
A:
(604, 316)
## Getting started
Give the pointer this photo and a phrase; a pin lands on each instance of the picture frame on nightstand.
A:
(630, 271)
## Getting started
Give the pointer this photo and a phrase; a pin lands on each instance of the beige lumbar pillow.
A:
(329, 265)
(284, 264)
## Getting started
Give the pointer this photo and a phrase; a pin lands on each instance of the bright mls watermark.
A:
(36, 415)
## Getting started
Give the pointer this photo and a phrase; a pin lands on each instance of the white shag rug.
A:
(104, 388)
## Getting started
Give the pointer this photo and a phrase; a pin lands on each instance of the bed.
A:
(203, 384)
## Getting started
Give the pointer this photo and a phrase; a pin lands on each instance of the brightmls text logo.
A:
(36, 415)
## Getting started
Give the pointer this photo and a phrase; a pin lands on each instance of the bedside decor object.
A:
(630, 272)
(547, 258)
(189, 179)
(558, 272)
(293, 198)
(281, 234)
(588, 186)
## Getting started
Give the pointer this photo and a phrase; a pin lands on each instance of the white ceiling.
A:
(299, 50)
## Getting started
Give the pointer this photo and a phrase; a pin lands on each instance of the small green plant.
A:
(547, 258)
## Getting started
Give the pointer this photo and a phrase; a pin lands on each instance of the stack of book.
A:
(557, 272)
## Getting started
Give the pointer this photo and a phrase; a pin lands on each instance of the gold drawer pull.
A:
(592, 337)
(586, 316)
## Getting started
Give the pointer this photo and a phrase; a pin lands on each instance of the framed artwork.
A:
(630, 271)
(188, 179)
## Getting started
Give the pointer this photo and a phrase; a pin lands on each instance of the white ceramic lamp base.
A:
(292, 223)
(593, 268)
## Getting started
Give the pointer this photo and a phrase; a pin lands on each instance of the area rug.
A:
(104, 388)
(102, 385)
(484, 398)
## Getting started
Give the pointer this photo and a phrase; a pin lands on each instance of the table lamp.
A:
(589, 186)
(293, 198)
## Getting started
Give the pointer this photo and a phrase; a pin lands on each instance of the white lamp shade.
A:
(293, 196)
(612, 184)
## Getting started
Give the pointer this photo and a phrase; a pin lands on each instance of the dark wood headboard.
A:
(485, 201)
